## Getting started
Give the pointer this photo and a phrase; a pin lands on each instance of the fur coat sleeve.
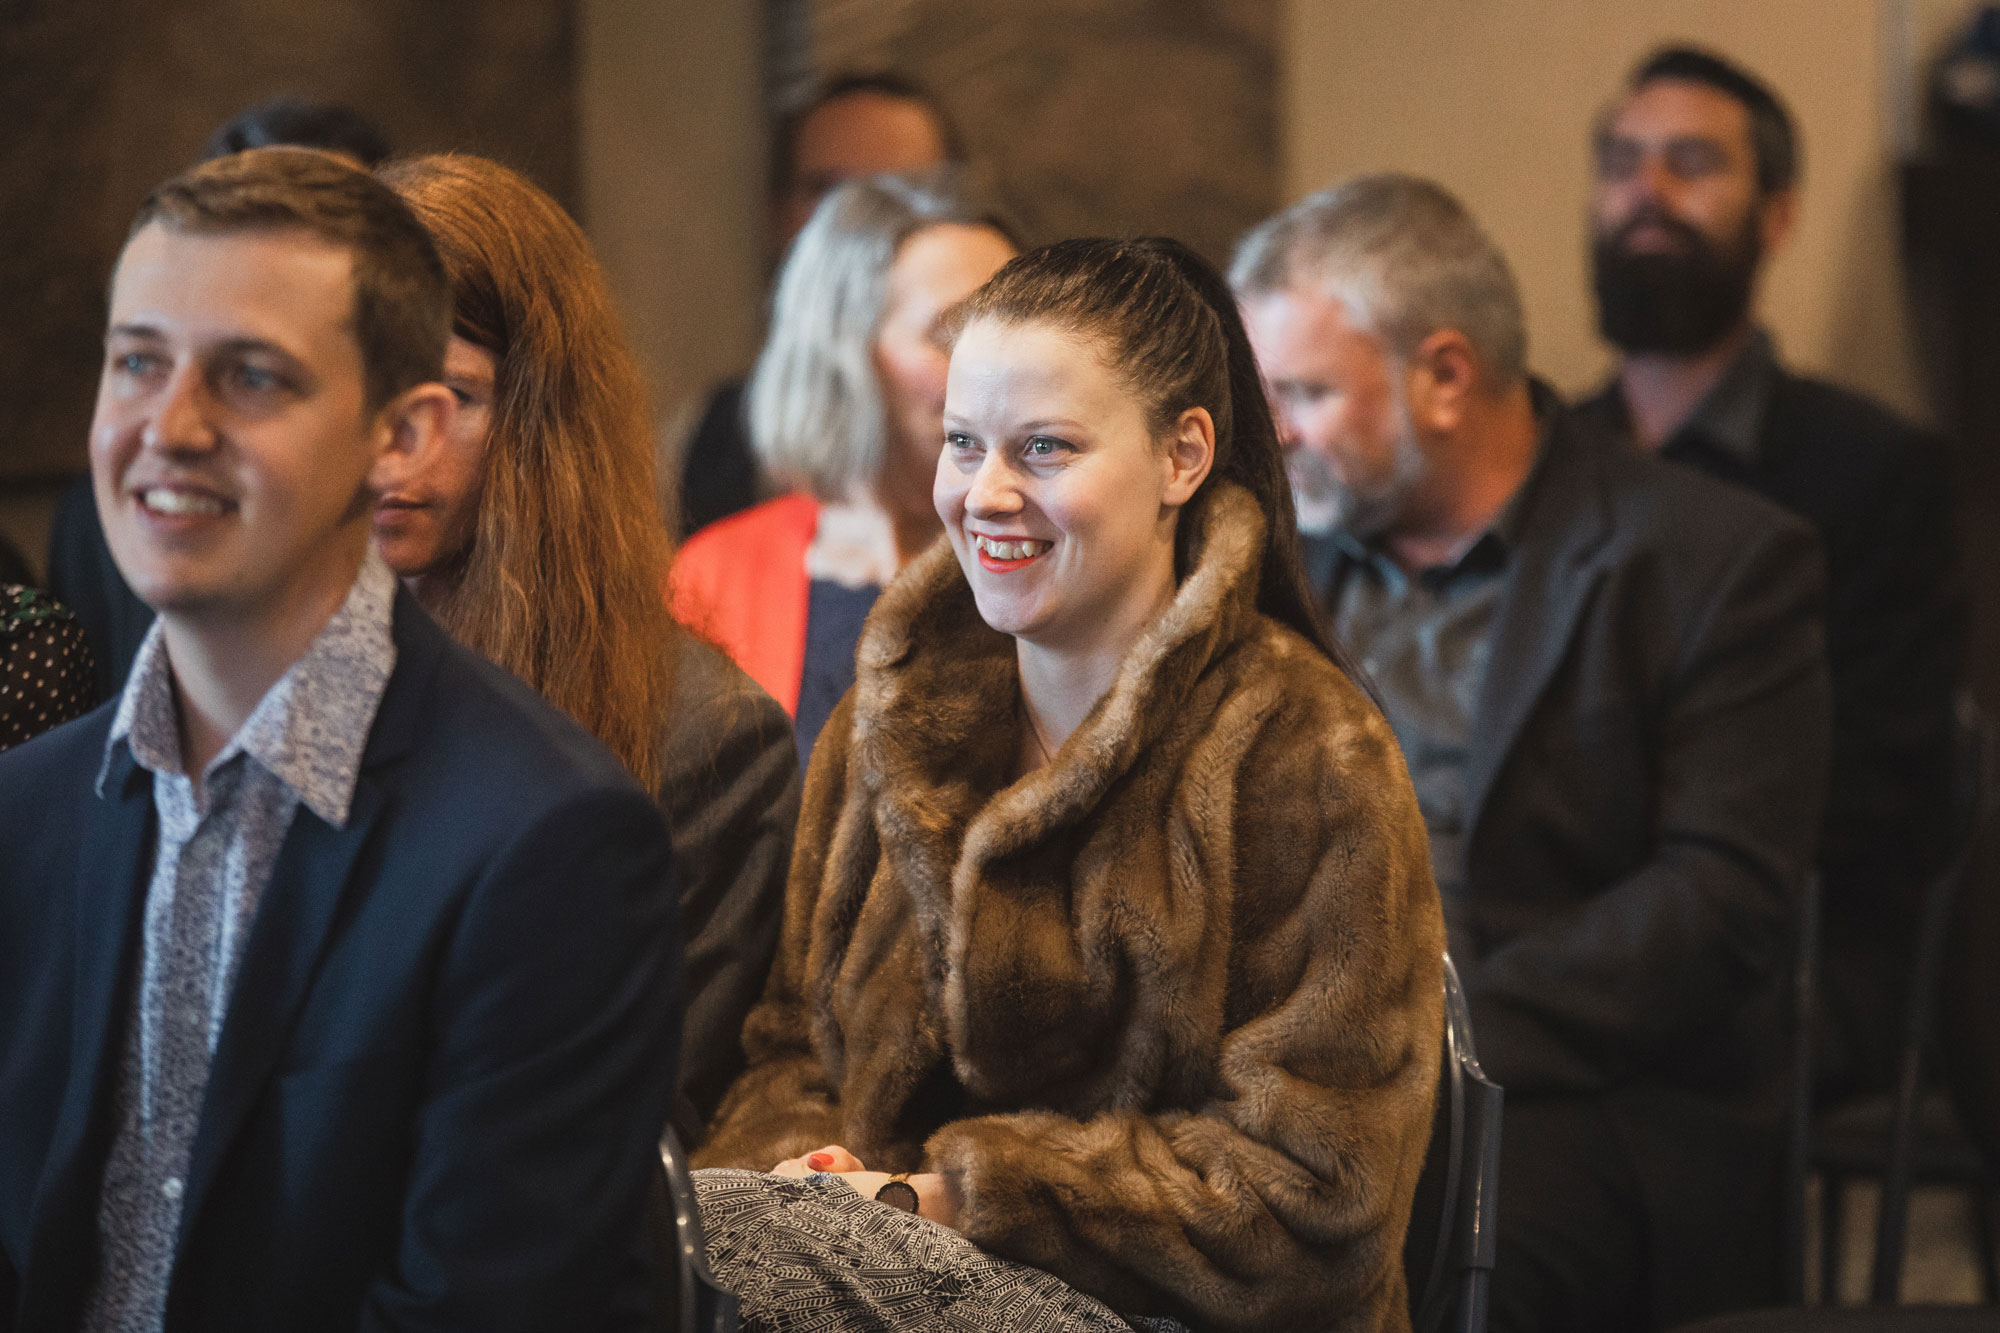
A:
(1167, 1010)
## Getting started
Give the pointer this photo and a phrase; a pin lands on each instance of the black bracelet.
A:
(898, 1194)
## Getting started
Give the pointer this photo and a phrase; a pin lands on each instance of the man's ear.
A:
(1777, 216)
(1441, 379)
(1190, 454)
(410, 426)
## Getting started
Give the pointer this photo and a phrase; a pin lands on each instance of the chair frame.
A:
(1975, 775)
(1465, 1239)
(702, 1305)
(1799, 1146)
(1974, 803)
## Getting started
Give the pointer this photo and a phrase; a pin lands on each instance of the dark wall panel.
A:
(102, 99)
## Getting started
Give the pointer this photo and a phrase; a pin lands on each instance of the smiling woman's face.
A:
(424, 519)
(1056, 495)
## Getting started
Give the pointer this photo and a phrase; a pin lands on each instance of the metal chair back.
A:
(686, 1298)
(1974, 795)
(1452, 1291)
(1801, 1076)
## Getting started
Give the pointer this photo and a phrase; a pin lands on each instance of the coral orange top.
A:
(741, 584)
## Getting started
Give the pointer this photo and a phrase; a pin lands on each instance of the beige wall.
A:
(672, 155)
(1495, 98)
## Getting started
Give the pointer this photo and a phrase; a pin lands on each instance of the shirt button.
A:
(172, 1188)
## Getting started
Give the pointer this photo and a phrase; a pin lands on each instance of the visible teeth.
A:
(999, 550)
(163, 501)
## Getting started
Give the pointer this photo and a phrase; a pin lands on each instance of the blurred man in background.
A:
(1607, 678)
(1697, 179)
(853, 125)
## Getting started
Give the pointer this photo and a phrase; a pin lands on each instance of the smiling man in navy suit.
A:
(338, 973)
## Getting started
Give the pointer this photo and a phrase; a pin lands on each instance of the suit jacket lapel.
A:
(296, 917)
(293, 922)
(1556, 570)
(110, 897)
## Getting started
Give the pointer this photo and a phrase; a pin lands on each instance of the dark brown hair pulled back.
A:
(1168, 327)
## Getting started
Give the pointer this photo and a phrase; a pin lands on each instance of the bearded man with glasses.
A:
(1696, 190)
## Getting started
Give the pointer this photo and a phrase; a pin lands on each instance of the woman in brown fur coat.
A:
(1110, 917)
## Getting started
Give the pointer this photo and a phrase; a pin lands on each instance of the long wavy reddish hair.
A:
(562, 582)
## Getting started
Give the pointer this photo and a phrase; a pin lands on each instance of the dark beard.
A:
(1678, 303)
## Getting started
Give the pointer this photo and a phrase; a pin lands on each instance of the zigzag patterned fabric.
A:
(812, 1256)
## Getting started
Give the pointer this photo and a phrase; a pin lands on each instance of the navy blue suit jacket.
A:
(448, 1055)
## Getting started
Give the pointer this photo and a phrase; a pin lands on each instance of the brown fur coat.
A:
(1167, 1009)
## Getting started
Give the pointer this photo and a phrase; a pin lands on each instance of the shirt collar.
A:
(309, 730)
(145, 717)
(1730, 416)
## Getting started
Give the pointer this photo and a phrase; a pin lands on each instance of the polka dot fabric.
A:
(45, 666)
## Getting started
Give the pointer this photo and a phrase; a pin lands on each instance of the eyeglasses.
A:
(1685, 157)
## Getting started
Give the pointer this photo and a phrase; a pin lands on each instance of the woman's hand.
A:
(832, 1158)
(935, 1198)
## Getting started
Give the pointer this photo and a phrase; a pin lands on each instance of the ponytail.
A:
(1255, 460)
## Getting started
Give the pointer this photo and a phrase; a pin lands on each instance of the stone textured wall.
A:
(1092, 116)
(103, 99)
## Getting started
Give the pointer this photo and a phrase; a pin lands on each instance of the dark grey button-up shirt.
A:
(212, 862)
(1725, 432)
(1425, 638)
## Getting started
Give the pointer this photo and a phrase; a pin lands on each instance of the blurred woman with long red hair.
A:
(534, 535)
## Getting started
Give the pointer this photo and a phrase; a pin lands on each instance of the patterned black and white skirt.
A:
(811, 1256)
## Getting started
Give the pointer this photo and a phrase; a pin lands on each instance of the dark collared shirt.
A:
(212, 861)
(1723, 436)
(1425, 639)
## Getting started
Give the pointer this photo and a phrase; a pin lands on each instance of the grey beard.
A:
(1317, 494)
(1327, 505)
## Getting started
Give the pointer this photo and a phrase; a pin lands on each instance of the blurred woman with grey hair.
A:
(845, 407)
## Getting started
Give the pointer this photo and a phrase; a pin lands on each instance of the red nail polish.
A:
(819, 1161)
